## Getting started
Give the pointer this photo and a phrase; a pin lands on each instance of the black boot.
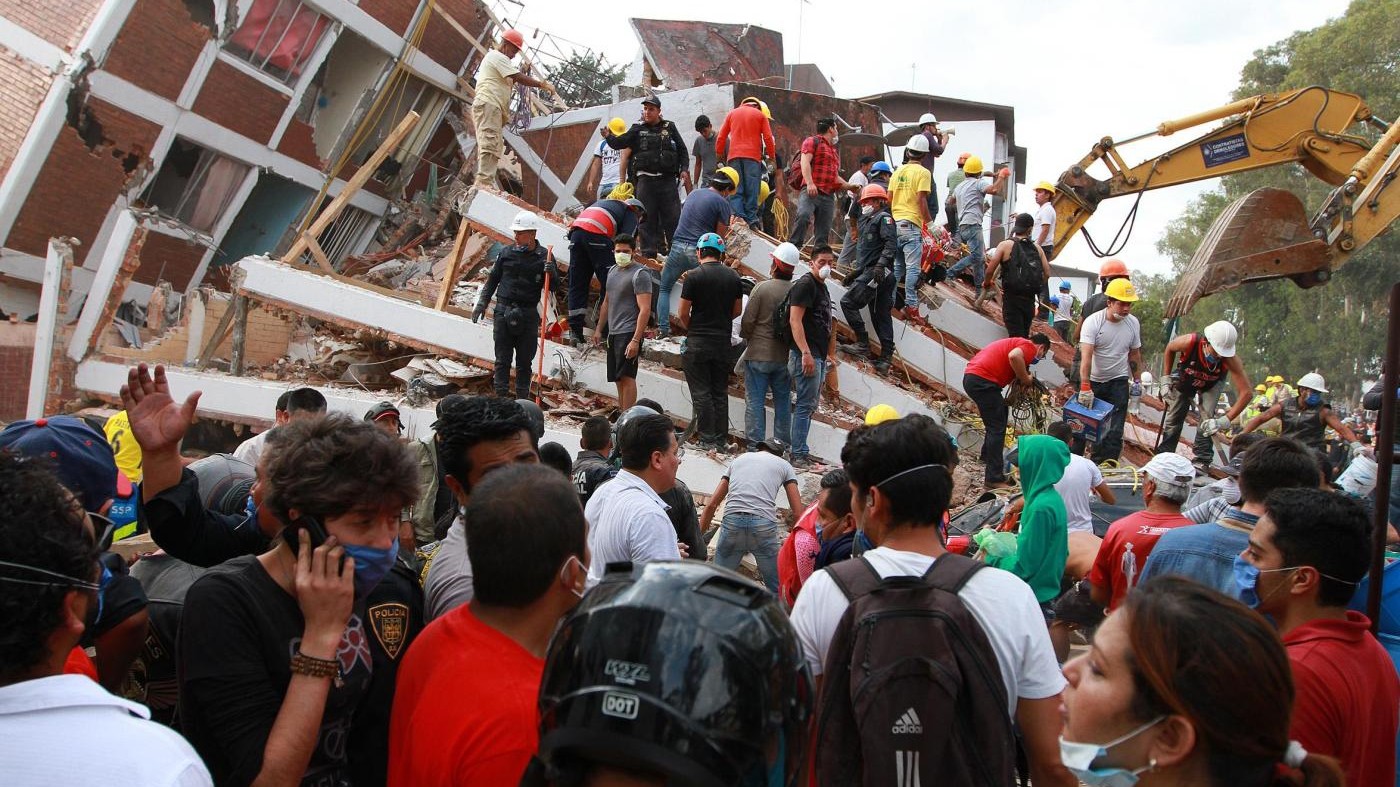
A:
(860, 348)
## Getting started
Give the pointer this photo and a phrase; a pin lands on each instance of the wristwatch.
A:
(311, 666)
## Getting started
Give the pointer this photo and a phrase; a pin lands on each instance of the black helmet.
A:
(536, 417)
(224, 482)
(679, 668)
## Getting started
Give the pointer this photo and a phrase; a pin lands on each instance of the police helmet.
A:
(681, 669)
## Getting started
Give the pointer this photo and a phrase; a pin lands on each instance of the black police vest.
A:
(655, 149)
(522, 276)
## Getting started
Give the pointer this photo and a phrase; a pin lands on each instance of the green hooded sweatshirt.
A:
(1042, 547)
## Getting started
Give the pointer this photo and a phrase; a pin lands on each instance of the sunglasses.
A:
(102, 528)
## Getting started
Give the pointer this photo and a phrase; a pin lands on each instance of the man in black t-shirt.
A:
(711, 297)
(812, 349)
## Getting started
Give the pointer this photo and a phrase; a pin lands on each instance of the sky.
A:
(1074, 70)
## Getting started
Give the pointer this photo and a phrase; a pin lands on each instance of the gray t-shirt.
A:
(449, 581)
(1112, 342)
(623, 286)
(704, 150)
(755, 479)
(969, 194)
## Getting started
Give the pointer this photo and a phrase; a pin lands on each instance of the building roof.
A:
(685, 54)
(905, 107)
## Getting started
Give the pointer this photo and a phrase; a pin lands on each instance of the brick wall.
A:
(443, 43)
(394, 14)
(265, 341)
(166, 258)
(299, 143)
(16, 356)
(77, 185)
(22, 89)
(240, 103)
(157, 47)
(565, 146)
(61, 24)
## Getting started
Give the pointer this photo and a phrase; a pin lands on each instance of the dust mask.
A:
(866, 210)
(622, 258)
(823, 272)
(1079, 758)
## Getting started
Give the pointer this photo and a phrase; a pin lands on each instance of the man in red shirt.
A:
(1304, 560)
(745, 139)
(1129, 540)
(820, 163)
(987, 374)
(465, 711)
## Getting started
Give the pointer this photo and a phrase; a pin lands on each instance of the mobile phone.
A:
(312, 526)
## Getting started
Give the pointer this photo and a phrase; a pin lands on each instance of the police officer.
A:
(518, 277)
(657, 161)
(591, 252)
(591, 466)
(873, 284)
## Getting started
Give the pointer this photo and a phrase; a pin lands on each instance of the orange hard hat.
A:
(874, 191)
(515, 37)
(1113, 267)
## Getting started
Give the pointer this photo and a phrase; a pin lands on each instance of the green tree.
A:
(584, 78)
(1337, 329)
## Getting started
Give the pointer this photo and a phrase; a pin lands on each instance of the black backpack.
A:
(913, 693)
(782, 314)
(1021, 273)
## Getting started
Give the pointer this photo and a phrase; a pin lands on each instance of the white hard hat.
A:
(523, 221)
(1222, 336)
(918, 144)
(1146, 378)
(928, 117)
(1314, 381)
(787, 254)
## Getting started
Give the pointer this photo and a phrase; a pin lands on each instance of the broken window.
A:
(344, 234)
(278, 37)
(194, 186)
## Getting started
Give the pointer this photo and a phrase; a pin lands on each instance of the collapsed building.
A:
(274, 193)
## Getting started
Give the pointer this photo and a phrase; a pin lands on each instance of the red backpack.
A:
(789, 579)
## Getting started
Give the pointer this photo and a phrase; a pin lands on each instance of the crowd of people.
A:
(565, 623)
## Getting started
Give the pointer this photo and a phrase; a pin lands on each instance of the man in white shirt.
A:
(606, 170)
(1044, 233)
(291, 406)
(1110, 352)
(495, 80)
(57, 728)
(627, 519)
(900, 489)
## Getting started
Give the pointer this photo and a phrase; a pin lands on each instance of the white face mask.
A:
(835, 140)
(1079, 759)
(823, 272)
(564, 568)
(866, 210)
(622, 258)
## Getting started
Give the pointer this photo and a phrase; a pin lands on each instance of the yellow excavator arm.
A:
(1266, 234)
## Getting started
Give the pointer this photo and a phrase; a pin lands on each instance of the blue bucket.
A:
(1090, 423)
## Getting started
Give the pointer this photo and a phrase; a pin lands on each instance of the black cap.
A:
(652, 100)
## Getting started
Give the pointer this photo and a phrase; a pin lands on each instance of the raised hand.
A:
(158, 422)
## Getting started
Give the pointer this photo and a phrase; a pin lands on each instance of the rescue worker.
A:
(1110, 353)
(994, 367)
(745, 140)
(591, 251)
(706, 211)
(971, 194)
(1306, 416)
(950, 205)
(879, 174)
(1201, 362)
(873, 285)
(937, 143)
(495, 80)
(909, 189)
(518, 277)
(1111, 270)
(657, 160)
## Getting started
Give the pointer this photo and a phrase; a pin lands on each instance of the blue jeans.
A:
(745, 200)
(971, 234)
(907, 260)
(760, 377)
(740, 533)
(808, 390)
(680, 259)
(604, 189)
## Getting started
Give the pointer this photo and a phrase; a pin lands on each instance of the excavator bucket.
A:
(1262, 235)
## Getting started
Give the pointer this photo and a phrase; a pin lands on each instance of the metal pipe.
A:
(1243, 105)
(1385, 459)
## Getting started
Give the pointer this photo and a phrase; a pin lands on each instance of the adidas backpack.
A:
(913, 694)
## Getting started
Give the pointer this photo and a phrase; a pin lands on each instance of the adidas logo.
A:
(908, 724)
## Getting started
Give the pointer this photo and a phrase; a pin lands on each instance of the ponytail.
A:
(1301, 769)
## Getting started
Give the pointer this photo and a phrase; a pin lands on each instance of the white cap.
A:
(787, 254)
(918, 144)
(928, 117)
(523, 221)
(1170, 468)
(1222, 336)
(1314, 381)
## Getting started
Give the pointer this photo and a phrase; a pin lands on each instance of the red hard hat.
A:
(1113, 267)
(515, 37)
(874, 191)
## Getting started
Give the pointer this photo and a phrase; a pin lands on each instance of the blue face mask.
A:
(1247, 580)
(1211, 358)
(371, 565)
(1079, 758)
(1313, 399)
(102, 585)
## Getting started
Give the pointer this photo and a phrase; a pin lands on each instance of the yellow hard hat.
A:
(751, 100)
(1045, 185)
(728, 172)
(1121, 290)
(973, 165)
(763, 107)
(1260, 388)
(879, 414)
(763, 191)
(617, 126)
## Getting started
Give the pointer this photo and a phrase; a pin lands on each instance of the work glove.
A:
(476, 315)
(1212, 425)
(548, 86)
(1135, 389)
(878, 273)
(1169, 396)
(1085, 398)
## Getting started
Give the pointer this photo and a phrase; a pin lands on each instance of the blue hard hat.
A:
(1054, 302)
(1064, 286)
(710, 241)
(881, 166)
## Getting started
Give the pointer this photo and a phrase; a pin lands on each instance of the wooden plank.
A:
(356, 182)
(449, 280)
(318, 254)
(240, 334)
(460, 29)
(220, 331)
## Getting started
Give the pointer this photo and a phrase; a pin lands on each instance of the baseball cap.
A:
(773, 445)
(652, 100)
(79, 455)
(1171, 469)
